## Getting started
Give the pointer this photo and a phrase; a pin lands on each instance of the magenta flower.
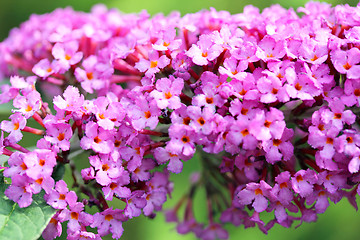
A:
(28, 104)
(352, 91)
(257, 194)
(167, 92)
(72, 100)
(153, 65)
(175, 164)
(44, 68)
(214, 231)
(96, 138)
(144, 113)
(167, 41)
(117, 187)
(303, 182)
(59, 134)
(90, 77)
(53, 229)
(109, 221)
(66, 54)
(76, 217)
(346, 62)
(279, 149)
(106, 169)
(182, 141)
(204, 51)
(21, 190)
(270, 48)
(14, 127)
(60, 197)
(313, 52)
(272, 90)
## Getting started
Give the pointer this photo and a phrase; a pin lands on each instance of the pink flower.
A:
(303, 182)
(313, 52)
(204, 51)
(257, 194)
(44, 68)
(66, 54)
(167, 92)
(279, 149)
(144, 113)
(182, 141)
(270, 48)
(96, 138)
(72, 100)
(352, 91)
(59, 134)
(109, 221)
(60, 197)
(153, 65)
(91, 77)
(21, 190)
(214, 231)
(14, 127)
(28, 104)
(346, 62)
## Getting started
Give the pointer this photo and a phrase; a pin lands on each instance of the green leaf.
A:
(23, 223)
(59, 172)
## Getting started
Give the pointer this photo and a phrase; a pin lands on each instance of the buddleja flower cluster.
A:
(269, 103)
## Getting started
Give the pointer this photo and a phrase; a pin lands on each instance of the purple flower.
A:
(167, 92)
(153, 65)
(303, 182)
(72, 100)
(60, 197)
(66, 54)
(204, 51)
(91, 76)
(21, 190)
(28, 104)
(270, 48)
(44, 68)
(14, 127)
(59, 134)
(109, 221)
(214, 231)
(97, 139)
(346, 62)
(257, 194)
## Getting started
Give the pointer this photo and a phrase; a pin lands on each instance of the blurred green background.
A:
(341, 221)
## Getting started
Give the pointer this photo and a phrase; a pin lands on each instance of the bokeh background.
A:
(341, 221)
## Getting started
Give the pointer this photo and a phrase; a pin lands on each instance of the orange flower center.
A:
(109, 217)
(153, 64)
(90, 75)
(276, 142)
(147, 114)
(74, 215)
(61, 136)
(347, 66)
(16, 126)
(105, 167)
(41, 162)
(201, 121)
(245, 132)
(185, 139)
(186, 121)
(168, 95)
(67, 57)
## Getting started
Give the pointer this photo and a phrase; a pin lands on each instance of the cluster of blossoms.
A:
(268, 101)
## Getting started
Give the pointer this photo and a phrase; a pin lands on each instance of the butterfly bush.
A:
(267, 101)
